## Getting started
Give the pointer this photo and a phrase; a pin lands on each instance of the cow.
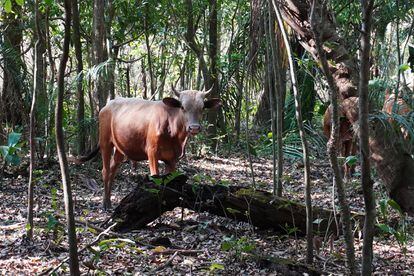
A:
(147, 130)
(348, 108)
(401, 108)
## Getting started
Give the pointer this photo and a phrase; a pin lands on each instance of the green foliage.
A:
(216, 266)
(238, 246)
(399, 231)
(11, 150)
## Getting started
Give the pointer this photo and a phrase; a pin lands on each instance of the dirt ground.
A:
(183, 242)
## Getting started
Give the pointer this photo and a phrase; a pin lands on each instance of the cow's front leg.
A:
(153, 162)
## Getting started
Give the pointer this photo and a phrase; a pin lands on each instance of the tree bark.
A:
(149, 55)
(60, 142)
(213, 83)
(13, 107)
(80, 114)
(277, 54)
(317, 14)
(99, 92)
(366, 181)
(37, 61)
(270, 85)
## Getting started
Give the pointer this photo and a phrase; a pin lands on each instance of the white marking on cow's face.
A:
(192, 102)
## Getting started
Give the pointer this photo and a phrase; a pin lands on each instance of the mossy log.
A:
(151, 198)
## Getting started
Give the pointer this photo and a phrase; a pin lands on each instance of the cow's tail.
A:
(88, 157)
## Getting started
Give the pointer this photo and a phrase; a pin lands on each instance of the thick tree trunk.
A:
(391, 159)
(99, 92)
(150, 200)
(213, 34)
(14, 109)
(60, 142)
(278, 52)
(344, 70)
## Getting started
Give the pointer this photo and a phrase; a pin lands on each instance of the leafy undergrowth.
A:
(180, 241)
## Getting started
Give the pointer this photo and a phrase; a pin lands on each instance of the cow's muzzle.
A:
(194, 129)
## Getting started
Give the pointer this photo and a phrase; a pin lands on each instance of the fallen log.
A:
(151, 198)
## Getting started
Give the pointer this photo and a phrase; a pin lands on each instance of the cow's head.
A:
(192, 103)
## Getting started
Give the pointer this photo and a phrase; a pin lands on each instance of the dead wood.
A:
(150, 200)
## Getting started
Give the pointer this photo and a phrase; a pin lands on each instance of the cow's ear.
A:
(212, 103)
(171, 102)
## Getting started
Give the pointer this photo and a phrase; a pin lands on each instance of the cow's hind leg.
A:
(115, 162)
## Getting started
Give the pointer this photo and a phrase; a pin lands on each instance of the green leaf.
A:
(248, 248)
(51, 222)
(395, 206)
(226, 245)
(232, 211)
(13, 160)
(215, 266)
(351, 160)
(318, 221)
(4, 150)
(13, 139)
(8, 6)
(404, 67)
(20, 2)
(386, 229)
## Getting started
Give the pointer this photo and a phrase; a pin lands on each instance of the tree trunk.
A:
(128, 81)
(150, 200)
(112, 52)
(50, 90)
(392, 160)
(270, 85)
(277, 54)
(80, 115)
(366, 181)
(149, 57)
(38, 61)
(12, 105)
(99, 92)
(60, 142)
(316, 24)
(194, 46)
(213, 83)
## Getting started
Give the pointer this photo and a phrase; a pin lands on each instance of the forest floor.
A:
(183, 241)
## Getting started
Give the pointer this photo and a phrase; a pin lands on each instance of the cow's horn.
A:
(205, 93)
(175, 91)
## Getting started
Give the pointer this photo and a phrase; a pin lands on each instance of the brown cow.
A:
(401, 108)
(347, 141)
(147, 130)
